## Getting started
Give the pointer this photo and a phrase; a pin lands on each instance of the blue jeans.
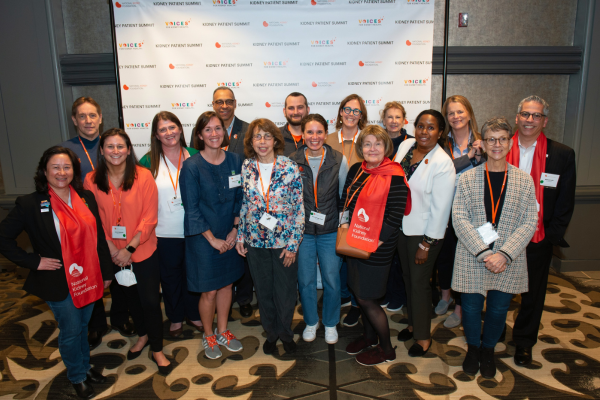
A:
(345, 291)
(321, 247)
(495, 317)
(72, 338)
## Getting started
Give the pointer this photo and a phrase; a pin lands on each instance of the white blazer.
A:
(431, 191)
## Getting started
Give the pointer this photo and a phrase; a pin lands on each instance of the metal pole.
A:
(445, 70)
(116, 60)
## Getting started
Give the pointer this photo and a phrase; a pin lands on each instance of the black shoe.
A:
(523, 356)
(132, 355)
(269, 347)
(487, 365)
(127, 329)
(229, 317)
(94, 376)
(246, 310)
(162, 370)
(416, 350)
(94, 339)
(405, 335)
(351, 318)
(290, 346)
(346, 301)
(84, 390)
(471, 363)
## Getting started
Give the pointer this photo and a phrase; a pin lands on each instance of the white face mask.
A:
(126, 277)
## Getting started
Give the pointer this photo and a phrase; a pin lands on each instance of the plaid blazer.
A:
(516, 227)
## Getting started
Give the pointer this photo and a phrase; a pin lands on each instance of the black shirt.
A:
(496, 178)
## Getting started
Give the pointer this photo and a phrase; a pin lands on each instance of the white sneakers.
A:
(310, 334)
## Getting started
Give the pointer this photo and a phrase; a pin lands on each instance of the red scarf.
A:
(537, 168)
(367, 218)
(78, 238)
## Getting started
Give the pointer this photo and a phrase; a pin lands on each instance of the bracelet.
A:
(423, 247)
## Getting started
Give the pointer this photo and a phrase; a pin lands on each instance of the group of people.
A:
(258, 206)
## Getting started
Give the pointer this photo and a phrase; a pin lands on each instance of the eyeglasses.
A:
(536, 116)
(492, 141)
(220, 102)
(354, 111)
(259, 137)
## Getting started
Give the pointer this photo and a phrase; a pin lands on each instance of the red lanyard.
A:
(316, 180)
(351, 147)
(349, 199)
(86, 152)
(266, 196)
(170, 176)
(115, 203)
(495, 209)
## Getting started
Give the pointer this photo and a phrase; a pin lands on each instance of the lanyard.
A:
(86, 153)
(317, 179)
(349, 199)
(351, 147)
(266, 196)
(170, 176)
(495, 209)
(394, 156)
(115, 203)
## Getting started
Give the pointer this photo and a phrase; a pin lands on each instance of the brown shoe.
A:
(359, 345)
(375, 356)
(199, 328)
(176, 332)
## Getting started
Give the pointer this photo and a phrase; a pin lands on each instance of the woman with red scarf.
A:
(71, 263)
(374, 199)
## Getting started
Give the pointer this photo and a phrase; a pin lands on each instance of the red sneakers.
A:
(375, 356)
(359, 345)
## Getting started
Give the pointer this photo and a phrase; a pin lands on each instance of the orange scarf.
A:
(78, 238)
(367, 218)
(537, 168)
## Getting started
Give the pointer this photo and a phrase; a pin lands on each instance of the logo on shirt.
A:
(75, 270)
(362, 215)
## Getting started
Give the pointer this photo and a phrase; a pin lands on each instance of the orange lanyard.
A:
(293, 137)
(170, 176)
(316, 180)
(86, 153)
(398, 148)
(115, 203)
(351, 147)
(261, 182)
(495, 209)
(349, 199)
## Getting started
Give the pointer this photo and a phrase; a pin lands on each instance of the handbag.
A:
(126, 277)
(342, 246)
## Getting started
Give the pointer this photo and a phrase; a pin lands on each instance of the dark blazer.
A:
(290, 143)
(27, 216)
(236, 140)
(559, 202)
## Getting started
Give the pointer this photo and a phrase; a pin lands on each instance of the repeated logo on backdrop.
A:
(172, 55)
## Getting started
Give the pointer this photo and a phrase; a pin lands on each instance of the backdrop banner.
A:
(173, 55)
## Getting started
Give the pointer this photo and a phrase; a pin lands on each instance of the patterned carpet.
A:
(566, 359)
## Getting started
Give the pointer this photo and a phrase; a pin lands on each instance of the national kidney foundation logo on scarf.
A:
(75, 270)
(362, 215)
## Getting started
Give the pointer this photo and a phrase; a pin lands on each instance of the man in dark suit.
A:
(557, 209)
(295, 108)
(224, 104)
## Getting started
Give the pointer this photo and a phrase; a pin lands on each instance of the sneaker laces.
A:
(228, 335)
(212, 341)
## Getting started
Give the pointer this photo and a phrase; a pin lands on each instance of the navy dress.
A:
(210, 205)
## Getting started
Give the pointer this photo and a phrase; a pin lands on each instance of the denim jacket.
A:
(285, 203)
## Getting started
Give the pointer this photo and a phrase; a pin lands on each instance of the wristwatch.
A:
(130, 249)
(236, 226)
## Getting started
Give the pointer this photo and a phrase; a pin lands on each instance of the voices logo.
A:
(183, 106)
(230, 84)
(275, 64)
(418, 2)
(222, 3)
(131, 45)
(416, 82)
(178, 24)
(331, 122)
(322, 42)
(370, 21)
(138, 125)
(374, 102)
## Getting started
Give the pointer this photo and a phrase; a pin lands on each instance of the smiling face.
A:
(59, 171)
(458, 116)
(314, 135)
(497, 151)
(373, 149)
(295, 109)
(264, 146)
(168, 133)
(224, 104)
(393, 121)
(87, 121)
(115, 150)
(212, 134)
(350, 121)
(427, 132)
(529, 127)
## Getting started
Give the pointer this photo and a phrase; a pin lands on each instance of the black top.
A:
(496, 178)
(397, 140)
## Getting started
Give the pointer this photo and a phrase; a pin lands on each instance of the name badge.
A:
(44, 210)
(549, 180)
(488, 233)
(268, 221)
(317, 218)
(119, 232)
(175, 205)
(345, 218)
(235, 181)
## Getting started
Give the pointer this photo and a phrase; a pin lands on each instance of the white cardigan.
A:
(431, 190)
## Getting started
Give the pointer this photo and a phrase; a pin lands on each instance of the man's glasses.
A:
(220, 102)
(536, 116)
(354, 111)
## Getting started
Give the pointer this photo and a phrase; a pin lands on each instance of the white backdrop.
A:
(172, 55)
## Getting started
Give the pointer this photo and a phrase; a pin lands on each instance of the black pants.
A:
(525, 330)
(276, 288)
(143, 300)
(445, 261)
(119, 314)
(243, 287)
(179, 302)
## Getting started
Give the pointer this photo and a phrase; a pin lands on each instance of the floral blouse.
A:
(285, 203)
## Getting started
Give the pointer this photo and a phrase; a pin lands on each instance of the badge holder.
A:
(126, 277)
(488, 233)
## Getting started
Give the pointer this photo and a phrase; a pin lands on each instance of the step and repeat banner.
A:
(173, 55)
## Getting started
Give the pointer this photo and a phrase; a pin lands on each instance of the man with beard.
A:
(224, 104)
(296, 108)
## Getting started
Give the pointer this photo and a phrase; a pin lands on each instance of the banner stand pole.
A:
(445, 67)
(116, 62)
